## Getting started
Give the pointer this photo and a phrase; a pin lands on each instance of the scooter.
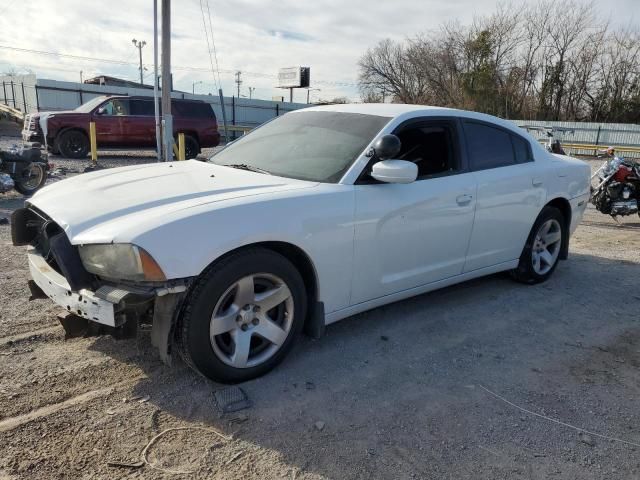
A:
(23, 168)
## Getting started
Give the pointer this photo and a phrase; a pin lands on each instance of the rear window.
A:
(192, 109)
(522, 149)
(488, 147)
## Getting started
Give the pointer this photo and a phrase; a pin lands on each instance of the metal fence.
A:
(27, 94)
(588, 138)
(30, 95)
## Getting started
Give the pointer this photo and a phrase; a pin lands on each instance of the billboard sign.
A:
(294, 77)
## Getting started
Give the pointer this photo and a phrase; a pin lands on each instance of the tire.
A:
(72, 144)
(541, 253)
(212, 347)
(191, 147)
(34, 180)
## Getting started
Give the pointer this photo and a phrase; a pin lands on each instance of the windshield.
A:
(90, 105)
(316, 146)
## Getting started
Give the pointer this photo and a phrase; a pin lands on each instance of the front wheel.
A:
(242, 316)
(33, 178)
(72, 144)
(542, 251)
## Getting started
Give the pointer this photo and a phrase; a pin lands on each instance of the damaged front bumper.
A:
(99, 306)
(114, 305)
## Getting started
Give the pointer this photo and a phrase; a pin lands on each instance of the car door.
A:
(510, 195)
(110, 119)
(140, 125)
(408, 235)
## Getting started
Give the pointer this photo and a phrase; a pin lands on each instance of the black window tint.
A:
(141, 107)
(429, 146)
(192, 109)
(521, 149)
(488, 147)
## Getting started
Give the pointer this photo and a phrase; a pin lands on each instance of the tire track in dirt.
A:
(27, 335)
(14, 422)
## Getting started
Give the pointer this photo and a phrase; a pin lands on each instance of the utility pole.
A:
(156, 107)
(309, 90)
(193, 86)
(238, 81)
(167, 119)
(80, 76)
(251, 89)
(139, 45)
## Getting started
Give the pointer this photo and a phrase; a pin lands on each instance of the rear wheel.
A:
(73, 144)
(542, 251)
(191, 147)
(33, 178)
(242, 317)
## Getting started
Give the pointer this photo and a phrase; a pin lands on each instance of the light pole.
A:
(309, 90)
(139, 45)
(251, 89)
(193, 86)
(238, 81)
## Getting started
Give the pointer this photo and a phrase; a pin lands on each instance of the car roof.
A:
(380, 109)
(149, 97)
(403, 111)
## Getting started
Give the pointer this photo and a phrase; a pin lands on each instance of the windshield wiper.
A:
(244, 166)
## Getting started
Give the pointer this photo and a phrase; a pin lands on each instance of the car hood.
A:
(101, 206)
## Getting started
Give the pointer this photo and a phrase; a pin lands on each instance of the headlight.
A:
(120, 261)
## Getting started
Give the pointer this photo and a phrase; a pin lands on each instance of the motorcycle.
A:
(617, 192)
(23, 168)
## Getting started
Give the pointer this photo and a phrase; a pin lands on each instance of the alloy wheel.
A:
(546, 246)
(251, 320)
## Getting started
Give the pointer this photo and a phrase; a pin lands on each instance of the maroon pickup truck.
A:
(122, 122)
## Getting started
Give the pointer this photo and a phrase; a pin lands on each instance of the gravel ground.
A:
(409, 390)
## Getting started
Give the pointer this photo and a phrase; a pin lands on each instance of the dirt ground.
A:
(409, 390)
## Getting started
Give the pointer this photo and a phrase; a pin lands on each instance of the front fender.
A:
(319, 224)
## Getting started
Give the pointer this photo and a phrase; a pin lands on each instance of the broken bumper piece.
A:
(84, 303)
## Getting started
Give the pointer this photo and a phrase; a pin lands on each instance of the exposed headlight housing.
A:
(120, 261)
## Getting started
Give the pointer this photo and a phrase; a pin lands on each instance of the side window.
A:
(116, 107)
(141, 107)
(488, 147)
(192, 109)
(522, 149)
(430, 146)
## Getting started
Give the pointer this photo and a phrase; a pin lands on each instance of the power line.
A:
(206, 34)
(213, 43)
(184, 68)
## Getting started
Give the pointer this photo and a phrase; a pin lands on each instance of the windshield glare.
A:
(90, 105)
(316, 146)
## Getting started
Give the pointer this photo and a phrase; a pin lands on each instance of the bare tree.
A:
(549, 60)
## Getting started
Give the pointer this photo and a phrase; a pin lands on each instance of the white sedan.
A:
(315, 216)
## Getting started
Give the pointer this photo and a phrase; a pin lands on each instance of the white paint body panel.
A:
(422, 236)
(369, 244)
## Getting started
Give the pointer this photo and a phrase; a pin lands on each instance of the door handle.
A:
(536, 182)
(464, 199)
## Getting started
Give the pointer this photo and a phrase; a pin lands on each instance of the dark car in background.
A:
(122, 122)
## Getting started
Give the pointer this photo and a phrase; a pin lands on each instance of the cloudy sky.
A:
(255, 37)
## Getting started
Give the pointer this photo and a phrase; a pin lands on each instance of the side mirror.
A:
(395, 171)
(387, 147)
(100, 111)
